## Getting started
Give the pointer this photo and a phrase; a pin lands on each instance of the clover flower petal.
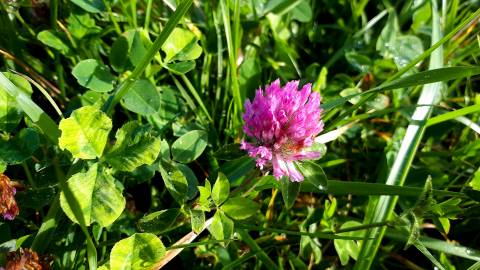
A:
(282, 123)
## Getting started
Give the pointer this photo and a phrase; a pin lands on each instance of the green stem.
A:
(28, 174)
(147, 15)
(384, 207)
(195, 95)
(269, 264)
(366, 226)
(123, 88)
(133, 7)
(112, 17)
(330, 236)
(232, 54)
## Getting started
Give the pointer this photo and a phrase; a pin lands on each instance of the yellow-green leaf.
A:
(181, 45)
(239, 208)
(95, 194)
(135, 146)
(85, 132)
(139, 251)
(221, 189)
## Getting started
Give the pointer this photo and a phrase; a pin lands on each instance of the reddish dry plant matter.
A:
(8, 205)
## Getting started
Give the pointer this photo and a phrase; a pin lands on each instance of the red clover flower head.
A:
(283, 123)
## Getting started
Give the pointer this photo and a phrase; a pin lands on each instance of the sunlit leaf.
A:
(189, 146)
(142, 98)
(94, 75)
(136, 145)
(95, 194)
(181, 45)
(85, 132)
(137, 252)
(221, 189)
(221, 227)
(239, 208)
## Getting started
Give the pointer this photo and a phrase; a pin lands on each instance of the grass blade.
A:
(384, 208)
(421, 78)
(329, 236)
(337, 187)
(439, 245)
(261, 255)
(32, 110)
(123, 88)
(453, 114)
(232, 53)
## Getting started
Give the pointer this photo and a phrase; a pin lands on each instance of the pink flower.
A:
(283, 123)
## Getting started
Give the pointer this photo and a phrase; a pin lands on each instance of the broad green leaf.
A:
(85, 132)
(118, 56)
(405, 49)
(359, 61)
(221, 227)
(92, 74)
(142, 98)
(475, 183)
(302, 12)
(96, 195)
(221, 189)
(313, 174)
(352, 91)
(135, 146)
(52, 39)
(92, 98)
(422, 14)
(10, 113)
(93, 6)
(165, 150)
(239, 208)
(180, 67)
(175, 181)
(80, 24)
(161, 221)
(181, 45)
(137, 252)
(169, 104)
(191, 179)
(20, 148)
(189, 146)
(128, 50)
(205, 192)
(289, 191)
(138, 44)
(197, 218)
(348, 248)
(388, 36)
